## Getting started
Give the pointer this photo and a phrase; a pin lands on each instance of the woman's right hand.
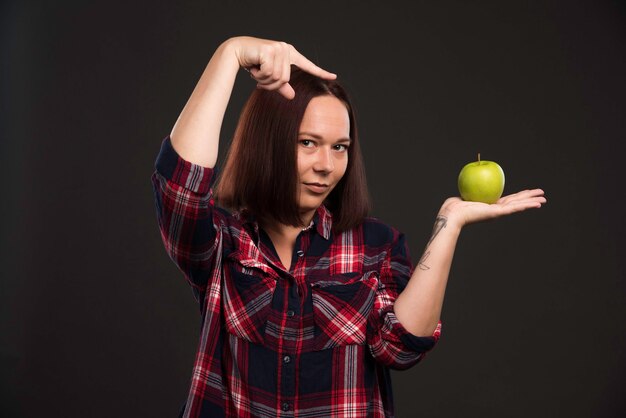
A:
(269, 63)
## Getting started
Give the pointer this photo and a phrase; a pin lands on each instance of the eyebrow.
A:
(319, 137)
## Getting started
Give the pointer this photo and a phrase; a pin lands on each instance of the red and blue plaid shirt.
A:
(317, 340)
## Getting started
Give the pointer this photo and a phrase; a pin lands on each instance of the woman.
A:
(306, 302)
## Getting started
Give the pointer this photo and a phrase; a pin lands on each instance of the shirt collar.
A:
(322, 220)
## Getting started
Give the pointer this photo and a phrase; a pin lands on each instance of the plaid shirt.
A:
(317, 340)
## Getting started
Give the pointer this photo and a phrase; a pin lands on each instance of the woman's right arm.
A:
(195, 135)
(182, 181)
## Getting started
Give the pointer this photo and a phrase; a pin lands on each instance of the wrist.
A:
(452, 222)
(231, 48)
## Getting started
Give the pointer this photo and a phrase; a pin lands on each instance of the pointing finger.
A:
(305, 64)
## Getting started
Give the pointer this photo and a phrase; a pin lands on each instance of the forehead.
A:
(326, 116)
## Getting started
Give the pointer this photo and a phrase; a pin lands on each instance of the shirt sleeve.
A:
(184, 207)
(390, 343)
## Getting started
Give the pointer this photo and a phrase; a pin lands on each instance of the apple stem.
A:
(479, 158)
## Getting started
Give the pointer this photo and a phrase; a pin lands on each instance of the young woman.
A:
(306, 301)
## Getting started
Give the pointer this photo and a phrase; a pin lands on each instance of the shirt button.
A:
(290, 313)
(300, 253)
(286, 359)
(286, 406)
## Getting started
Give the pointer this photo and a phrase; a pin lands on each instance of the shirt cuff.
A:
(186, 174)
(414, 342)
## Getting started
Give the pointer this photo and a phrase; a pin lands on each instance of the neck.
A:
(307, 218)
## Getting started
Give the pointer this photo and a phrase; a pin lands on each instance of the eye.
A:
(306, 142)
(342, 147)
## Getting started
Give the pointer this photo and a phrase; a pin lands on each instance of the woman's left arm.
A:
(418, 307)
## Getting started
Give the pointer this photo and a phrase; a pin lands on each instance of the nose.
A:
(324, 161)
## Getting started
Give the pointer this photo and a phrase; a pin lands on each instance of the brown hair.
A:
(260, 173)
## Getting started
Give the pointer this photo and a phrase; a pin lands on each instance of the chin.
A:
(310, 204)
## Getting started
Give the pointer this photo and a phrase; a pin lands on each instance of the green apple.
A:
(481, 181)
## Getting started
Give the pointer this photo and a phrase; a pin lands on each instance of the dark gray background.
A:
(96, 321)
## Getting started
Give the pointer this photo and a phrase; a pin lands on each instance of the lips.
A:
(317, 187)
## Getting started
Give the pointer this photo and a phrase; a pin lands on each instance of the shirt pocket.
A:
(247, 298)
(341, 307)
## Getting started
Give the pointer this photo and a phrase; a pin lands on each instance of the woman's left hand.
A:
(463, 212)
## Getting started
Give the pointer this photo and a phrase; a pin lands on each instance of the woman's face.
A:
(323, 142)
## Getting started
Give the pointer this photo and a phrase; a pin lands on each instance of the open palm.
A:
(465, 212)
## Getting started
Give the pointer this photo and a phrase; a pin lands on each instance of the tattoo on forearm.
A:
(440, 223)
(422, 265)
